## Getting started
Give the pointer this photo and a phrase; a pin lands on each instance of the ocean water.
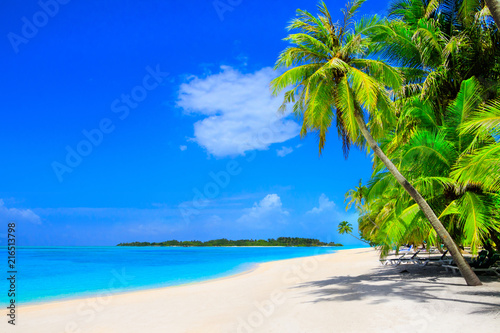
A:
(55, 273)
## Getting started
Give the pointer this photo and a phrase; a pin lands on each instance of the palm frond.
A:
(386, 74)
(475, 223)
(486, 120)
(469, 97)
(293, 76)
(349, 12)
(481, 167)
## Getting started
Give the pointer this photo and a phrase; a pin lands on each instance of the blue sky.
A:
(153, 120)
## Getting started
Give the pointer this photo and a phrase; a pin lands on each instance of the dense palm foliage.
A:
(418, 89)
(446, 140)
(437, 160)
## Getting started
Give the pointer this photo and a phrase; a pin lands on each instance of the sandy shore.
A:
(346, 291)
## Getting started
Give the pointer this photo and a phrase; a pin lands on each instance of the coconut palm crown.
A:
(344, 228)
(332, 78)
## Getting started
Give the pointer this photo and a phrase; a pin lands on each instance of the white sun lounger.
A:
(492, 269)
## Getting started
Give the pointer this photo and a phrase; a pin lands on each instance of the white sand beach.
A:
(348, 291)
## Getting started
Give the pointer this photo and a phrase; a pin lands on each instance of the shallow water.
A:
(53, 273)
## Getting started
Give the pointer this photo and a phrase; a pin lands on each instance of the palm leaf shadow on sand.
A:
(410, 282)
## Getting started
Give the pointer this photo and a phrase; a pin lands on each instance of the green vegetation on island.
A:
(281, 241)
(420, 90)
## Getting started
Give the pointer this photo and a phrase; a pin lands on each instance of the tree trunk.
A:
(376, 226)
(468, 274)
(362, 240)
(494, 7)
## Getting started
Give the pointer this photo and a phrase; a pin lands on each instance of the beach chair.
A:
(391, 261)
(435, 260)
(487, 266)
(412, 260)
(406, 249)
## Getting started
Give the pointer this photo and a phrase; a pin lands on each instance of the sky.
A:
(126, 120)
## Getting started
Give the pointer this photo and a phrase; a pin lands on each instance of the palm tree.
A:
(446, 51)
(333, 78)
(356, 196)
(460, 175)
(346, 228)
(439, 43)
(447, 43)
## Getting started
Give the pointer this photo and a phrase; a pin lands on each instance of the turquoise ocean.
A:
(55, 273)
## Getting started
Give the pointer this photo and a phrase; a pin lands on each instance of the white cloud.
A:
(153, 228)
(324, 205)
(284, 151)
(266, 210)
(239, 112)
(182, 147)
(214, 221)
(18, 215)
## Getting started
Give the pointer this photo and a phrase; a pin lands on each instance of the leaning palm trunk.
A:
(333, 77)
(494, 7)
(468, 274)
(361, 240)
(370, 219)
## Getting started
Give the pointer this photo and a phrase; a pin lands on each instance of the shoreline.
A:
(141, 290)
(321, 293)
(252, 267)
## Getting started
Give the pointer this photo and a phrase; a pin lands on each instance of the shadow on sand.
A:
(410, 282)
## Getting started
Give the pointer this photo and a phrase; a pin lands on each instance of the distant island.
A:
(281, 241)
